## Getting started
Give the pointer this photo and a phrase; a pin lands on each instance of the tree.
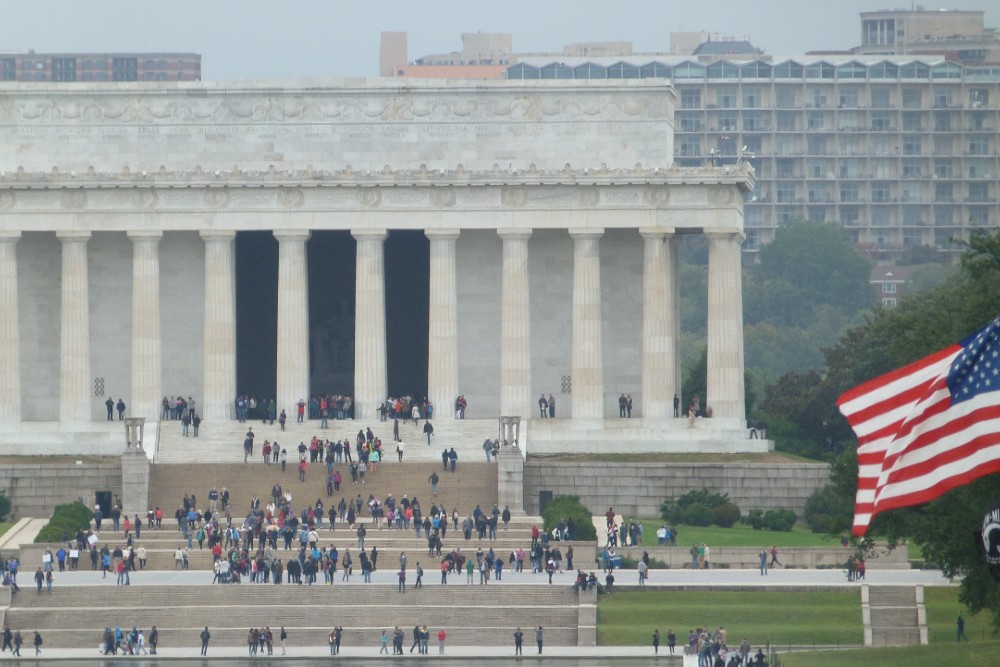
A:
(946, 527)
(807, 264)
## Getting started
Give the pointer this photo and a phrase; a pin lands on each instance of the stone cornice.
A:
(742, 176)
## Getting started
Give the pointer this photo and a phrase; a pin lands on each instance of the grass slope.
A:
(738, 536)
(974, 654)
(821, 618)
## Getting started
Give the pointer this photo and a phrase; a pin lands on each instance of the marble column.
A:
(10, 332)
(370, 379)
(442, 339)
(658, 349)
(515, 325)
(587, 353)
(725, 390)
(220, 326)
(293, 321)
(74, 330)
(147, 361)
(674, 308)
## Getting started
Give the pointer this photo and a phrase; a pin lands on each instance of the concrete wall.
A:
(35, 489)
(637, 489)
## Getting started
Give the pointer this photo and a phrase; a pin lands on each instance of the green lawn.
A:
(973, 654)
(942, 610)
(822, 618)
(738, 536)
(5, 526)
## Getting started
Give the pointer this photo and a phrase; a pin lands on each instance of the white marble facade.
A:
(552, 210)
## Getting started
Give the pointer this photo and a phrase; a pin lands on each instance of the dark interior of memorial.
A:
(331, 262)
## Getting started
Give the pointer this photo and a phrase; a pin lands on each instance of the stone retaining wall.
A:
(36, 488)
(636, 489)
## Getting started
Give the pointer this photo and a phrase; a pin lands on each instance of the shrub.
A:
(698, 515)
(726, 515)
(825, 512)
(675, 511)
(66, 520)
(755, 519)
(4, 506)
(570, 509)
(779, 520)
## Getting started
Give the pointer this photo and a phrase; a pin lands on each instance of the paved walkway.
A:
(777, 578)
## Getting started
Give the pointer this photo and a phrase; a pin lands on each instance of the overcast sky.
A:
(250, 39)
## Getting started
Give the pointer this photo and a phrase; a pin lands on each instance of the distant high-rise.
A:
(899, 141)
(109, 66)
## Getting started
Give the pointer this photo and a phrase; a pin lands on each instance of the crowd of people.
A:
(129, 642)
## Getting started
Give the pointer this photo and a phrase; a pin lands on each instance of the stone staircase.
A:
(473, 483)
(222, 442)
(76, 616)
(894, 615)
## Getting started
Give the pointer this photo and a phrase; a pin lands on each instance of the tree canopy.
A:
(804, 405)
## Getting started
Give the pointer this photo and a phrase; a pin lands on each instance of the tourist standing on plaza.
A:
(656, 642)
(38, 644)
(518, 640)
(441, 637)
(282, 636)
(539, 631)
(205, 636)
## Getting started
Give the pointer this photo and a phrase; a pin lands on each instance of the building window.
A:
(727, 121)
(690, 99)
(979, 216)
(819, 71)
(785, 97)
(979, 169)
(816, 120)
(752, 121)
(849, 193)
(690, 121)
(785, 192)
(786, 121)
(979, 144)
(888, 288)
(942, 121)
(691, 146)
(943, 192)
(880, 98)
(751, 97)
(817, 145)
(881, 121)
(979, 98)
(849, 98)
(913, 237)
(911, 169)
(784, 168)
(889, 303)
(911, 144)
(818, 98)
(880, 192)
(726, 98)
(125, 69)
(978, 192)
(788, 70)
(943, 215)
(942, 98)
(912, 98)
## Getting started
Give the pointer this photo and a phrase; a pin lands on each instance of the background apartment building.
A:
(33, 66)
(900, 146)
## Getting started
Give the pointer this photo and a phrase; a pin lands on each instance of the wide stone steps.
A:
(75, 616)
(365, 634)
(298, 616)
(895, 615)
(286, 594)
(222, 442)
(473, 483)
(892, 596)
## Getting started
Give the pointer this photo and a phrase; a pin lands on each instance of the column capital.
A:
(514, 234)
(369, 234)
(217, 234)
(70, 235)
(724, 234)
(150, 235)
(292, 235)
(656, 233)
(585, 234)
(442, 234)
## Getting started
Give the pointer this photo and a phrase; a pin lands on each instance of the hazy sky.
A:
(249, 39)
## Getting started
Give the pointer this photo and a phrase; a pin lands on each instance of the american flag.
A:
(926, 428)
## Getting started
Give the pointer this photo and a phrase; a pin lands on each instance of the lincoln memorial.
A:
(549, 214)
